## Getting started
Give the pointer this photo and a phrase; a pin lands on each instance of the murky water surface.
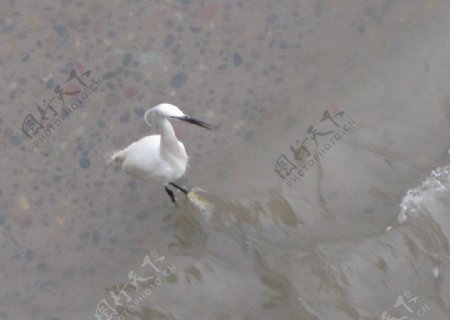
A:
(325, 194)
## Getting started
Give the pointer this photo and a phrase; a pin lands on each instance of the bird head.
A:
(167, 110)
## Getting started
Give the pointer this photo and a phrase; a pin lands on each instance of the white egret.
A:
(161, 157)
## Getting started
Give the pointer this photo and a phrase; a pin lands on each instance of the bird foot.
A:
(182, 189)
(171, 195)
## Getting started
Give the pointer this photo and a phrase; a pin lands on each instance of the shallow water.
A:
(323, 195)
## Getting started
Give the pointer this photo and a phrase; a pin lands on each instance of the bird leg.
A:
(171, 195)
(182, 189)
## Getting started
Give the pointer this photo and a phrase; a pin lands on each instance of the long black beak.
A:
(197, 122)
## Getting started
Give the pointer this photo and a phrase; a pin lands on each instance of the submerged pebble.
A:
(179, 79)
(85, 163)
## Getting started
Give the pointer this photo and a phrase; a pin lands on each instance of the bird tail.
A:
(117, 157)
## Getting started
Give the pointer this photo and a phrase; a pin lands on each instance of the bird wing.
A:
(120, 156)
(143, 160)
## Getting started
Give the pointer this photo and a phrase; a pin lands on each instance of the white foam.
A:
(415, 200)
(206, 208)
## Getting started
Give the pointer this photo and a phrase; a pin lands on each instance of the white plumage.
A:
(161, 157)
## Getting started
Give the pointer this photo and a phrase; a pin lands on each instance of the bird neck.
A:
(169, 140)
